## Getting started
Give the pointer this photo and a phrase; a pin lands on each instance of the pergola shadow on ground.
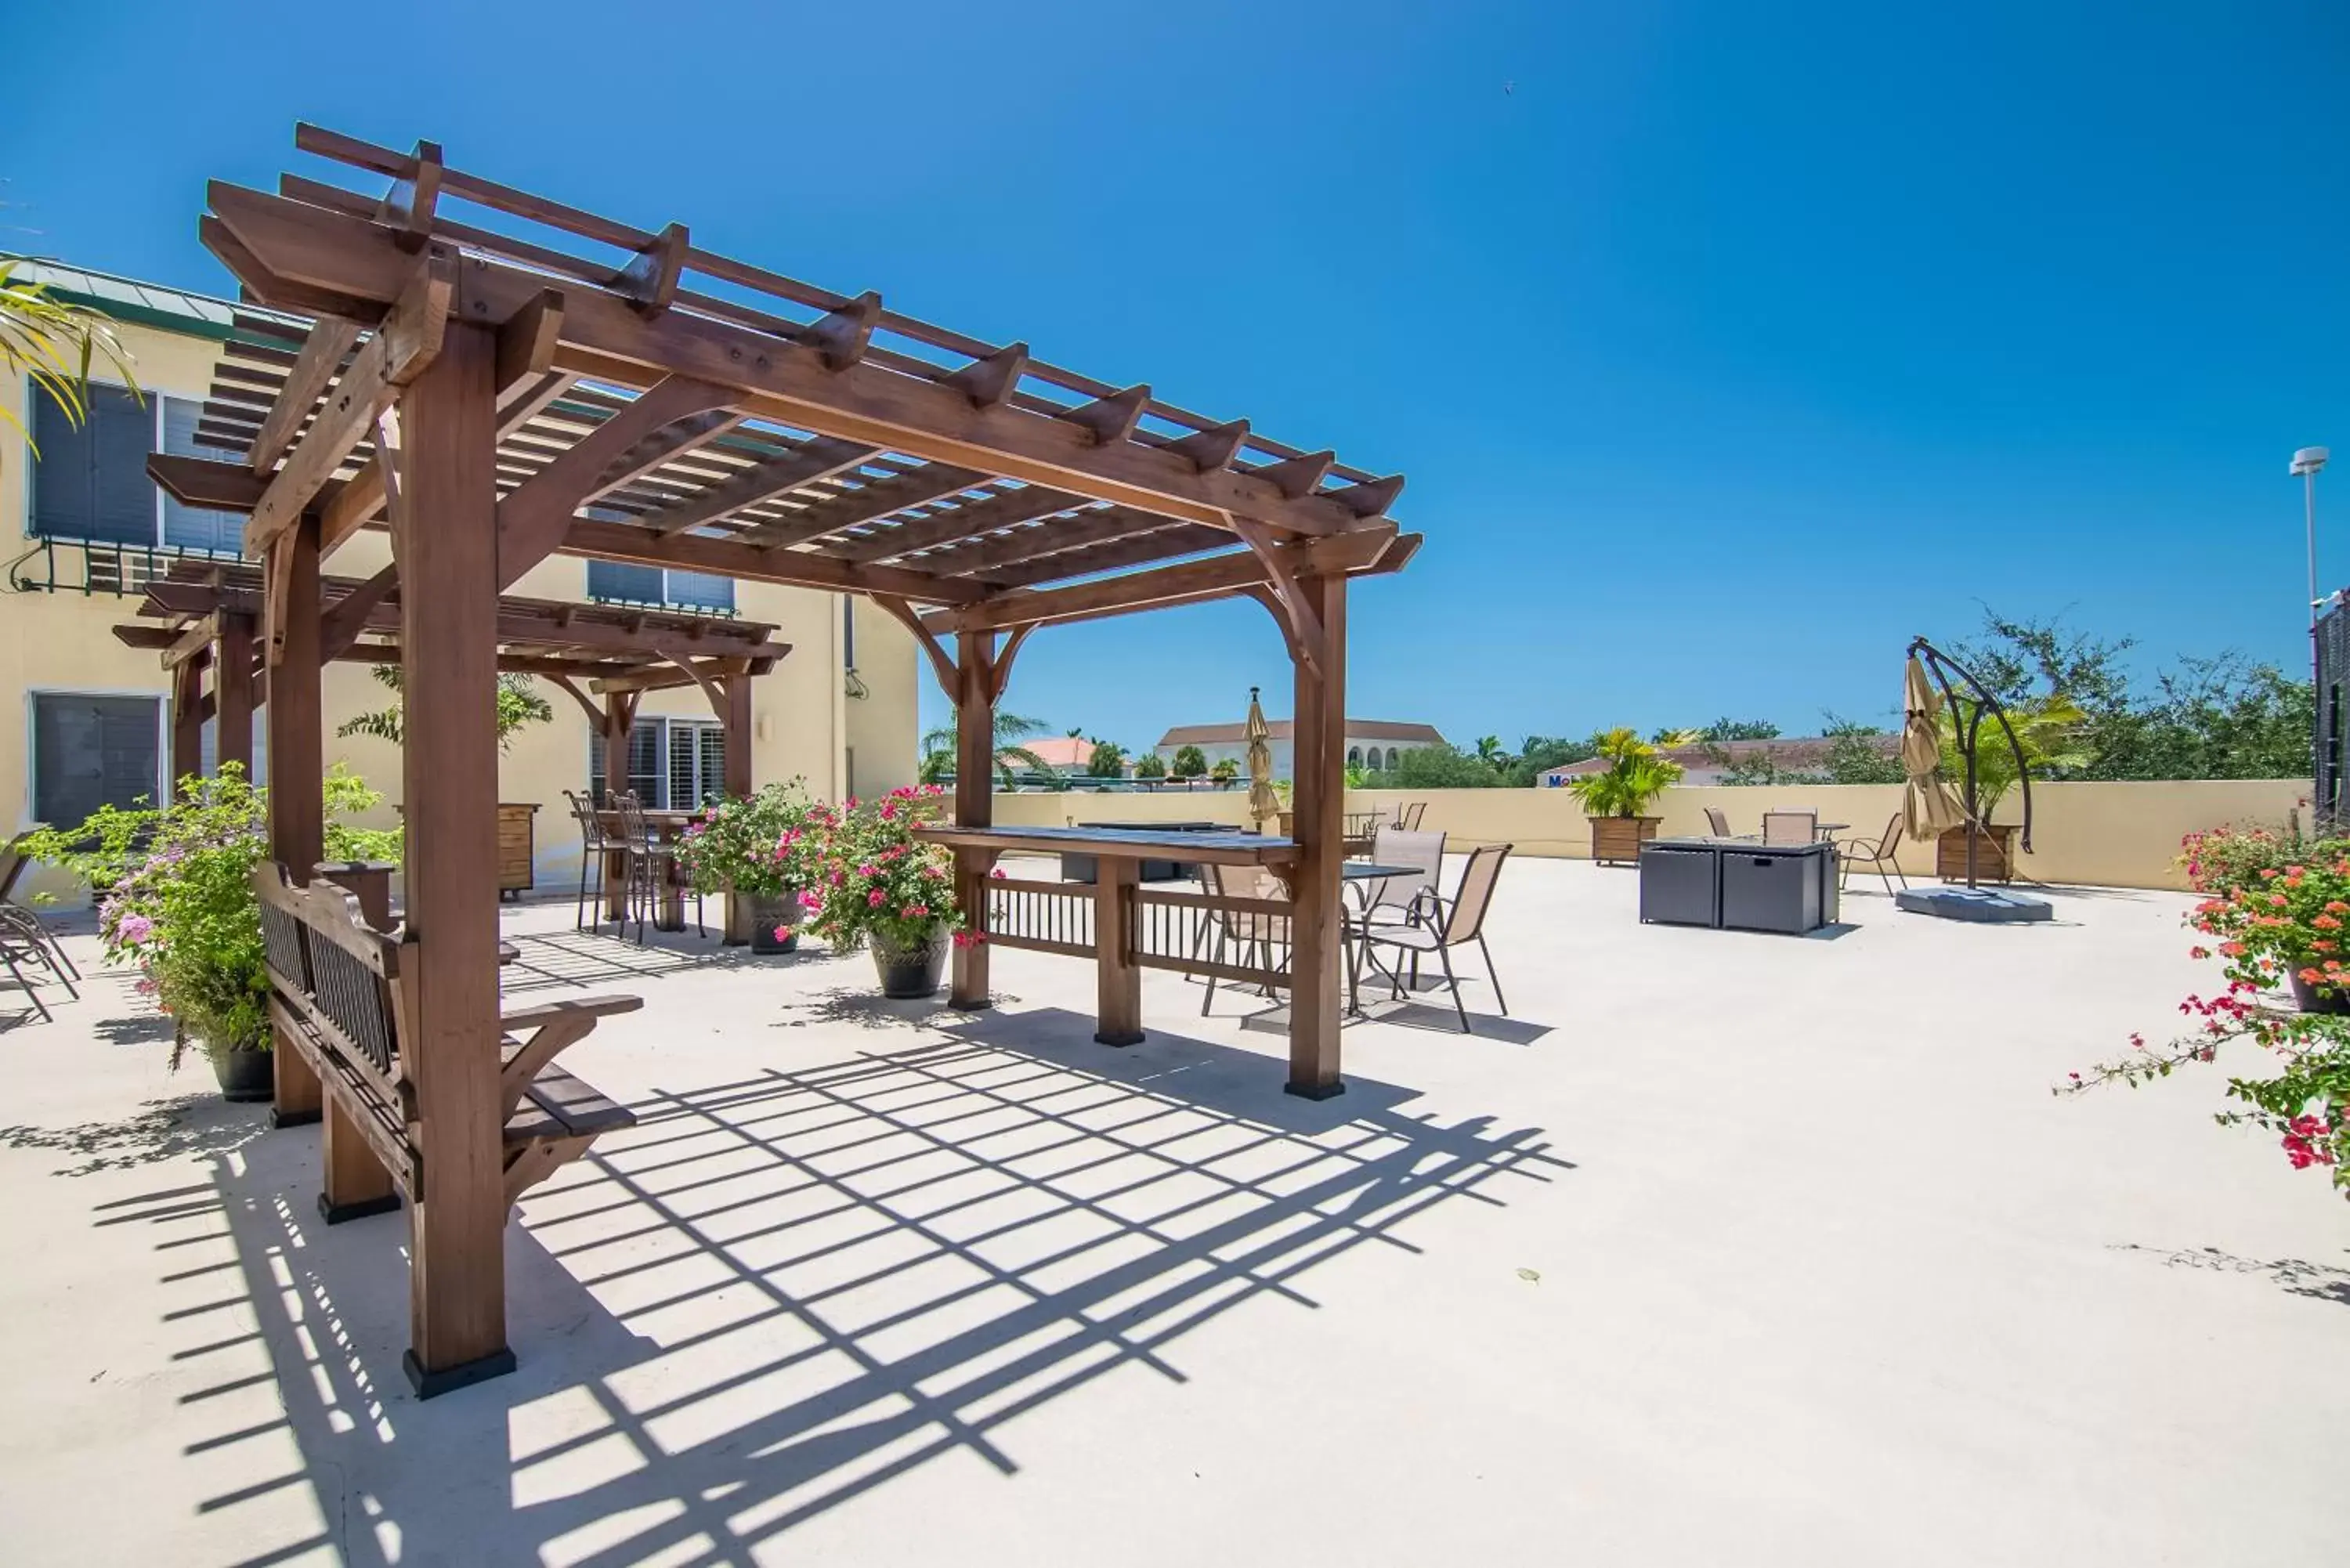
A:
(572, 960)
(779, 1293)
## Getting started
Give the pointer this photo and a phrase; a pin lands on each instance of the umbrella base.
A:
(1995, 906)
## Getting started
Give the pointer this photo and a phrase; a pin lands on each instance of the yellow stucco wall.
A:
(2096, 834)
(803, 723)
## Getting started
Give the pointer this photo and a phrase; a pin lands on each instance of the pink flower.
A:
(915, 911)
(998, 872)
(876, 898)
(868, 869)
(969, 939)
(889, 809)
(782, 933)
(811, 900)
(134, 929)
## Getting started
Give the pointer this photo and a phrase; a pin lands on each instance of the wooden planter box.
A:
(517, 847)
(1994, 854)
(1617, 840)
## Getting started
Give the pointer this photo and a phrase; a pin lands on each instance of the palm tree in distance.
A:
(1011, 728)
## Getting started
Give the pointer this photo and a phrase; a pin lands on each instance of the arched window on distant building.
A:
(1354, 757)
(1371, 760)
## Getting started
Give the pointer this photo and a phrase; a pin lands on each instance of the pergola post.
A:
(974, 804)
(619, 718)
(187, 720)
(736, 718)
(1318, 773)
(448, 550)
(297, 827)
(233, 693)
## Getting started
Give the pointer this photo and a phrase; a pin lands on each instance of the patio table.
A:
(1037, 914)
(1360, 876)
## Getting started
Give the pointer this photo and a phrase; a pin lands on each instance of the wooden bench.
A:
(336, 993)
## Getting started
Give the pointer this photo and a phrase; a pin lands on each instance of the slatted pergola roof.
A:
(661, 404)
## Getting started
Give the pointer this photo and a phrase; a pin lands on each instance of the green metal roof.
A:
(146, 304)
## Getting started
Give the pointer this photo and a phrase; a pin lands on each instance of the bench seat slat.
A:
(559, 1106)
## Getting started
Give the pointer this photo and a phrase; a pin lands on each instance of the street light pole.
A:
(2306, 464)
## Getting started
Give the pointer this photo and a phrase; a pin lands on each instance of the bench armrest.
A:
(576, 1007)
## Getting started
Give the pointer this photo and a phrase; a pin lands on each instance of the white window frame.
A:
(669, 724)
(161, 794)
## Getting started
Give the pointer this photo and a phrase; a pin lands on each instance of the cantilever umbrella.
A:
(1263, 804)
(1929, 806)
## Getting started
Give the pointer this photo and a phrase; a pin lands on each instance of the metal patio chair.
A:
(25, 940)
(1876, 856)
(1455, 923)
(1244, 928)
(597, 842)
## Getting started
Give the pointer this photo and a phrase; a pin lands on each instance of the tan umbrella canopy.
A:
(1930, 807)
(1264, 804)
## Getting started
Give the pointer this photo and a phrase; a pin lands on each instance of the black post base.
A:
(1329, 1091)
(1133, 1037)
(984, 1005)
(336, 1214)
(449, 1379)
(295, 1118)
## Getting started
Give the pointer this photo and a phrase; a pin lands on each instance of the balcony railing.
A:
(91, 567)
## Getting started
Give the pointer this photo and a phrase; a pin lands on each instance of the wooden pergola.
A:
(205, 619)
(625, 395)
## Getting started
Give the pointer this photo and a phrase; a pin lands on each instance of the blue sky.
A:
(1724, 345)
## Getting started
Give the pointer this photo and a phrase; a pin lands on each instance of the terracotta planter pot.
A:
(910, 973)
(247, 1078)
(1617, 840)
(1994, 854)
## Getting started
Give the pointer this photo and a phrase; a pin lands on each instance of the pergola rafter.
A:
(623, 394)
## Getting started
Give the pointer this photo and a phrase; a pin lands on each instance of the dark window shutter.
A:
(91, 482)
(703, 591)
(90, 752)
(619, 580)
(194, 527)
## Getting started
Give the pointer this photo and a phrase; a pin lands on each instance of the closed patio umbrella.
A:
(1264, 804)
(1929, 806)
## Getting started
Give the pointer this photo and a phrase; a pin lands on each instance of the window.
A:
(90, 752)
(622, 583)
(674, 765)
(91, 482)
(1354, 757)
(1371, 760)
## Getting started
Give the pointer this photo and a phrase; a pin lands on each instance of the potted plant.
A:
(1617, 797)
(752, 849)
(871, 880)
(2046, 730)
(519, 703)
(175, 898)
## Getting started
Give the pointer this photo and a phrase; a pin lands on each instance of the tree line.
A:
(2222, 717)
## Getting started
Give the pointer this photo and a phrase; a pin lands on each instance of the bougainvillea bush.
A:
(2273, 911)
(867, 876)
(175, 889)
(751, 845)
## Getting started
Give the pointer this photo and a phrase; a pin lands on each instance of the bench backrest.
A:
(338, 971)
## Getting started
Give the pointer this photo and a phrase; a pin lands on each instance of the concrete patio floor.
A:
(1724, 1249)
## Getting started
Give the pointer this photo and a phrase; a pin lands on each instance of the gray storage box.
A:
(1738, 883)
(1681, 886)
